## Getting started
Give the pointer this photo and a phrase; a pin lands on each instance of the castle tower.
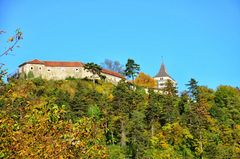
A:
(162, 77)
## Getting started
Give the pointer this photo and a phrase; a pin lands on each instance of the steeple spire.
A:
(162, 72)
(162, 77)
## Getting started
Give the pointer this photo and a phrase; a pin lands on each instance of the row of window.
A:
(40, 68)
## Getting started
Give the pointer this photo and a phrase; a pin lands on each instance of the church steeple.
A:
(162, 77)
(162, 72)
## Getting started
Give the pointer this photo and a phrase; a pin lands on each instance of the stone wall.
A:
(61, 73)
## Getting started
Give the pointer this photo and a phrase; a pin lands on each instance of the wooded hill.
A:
(80, 119)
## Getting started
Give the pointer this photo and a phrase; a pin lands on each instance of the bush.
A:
(30, 75)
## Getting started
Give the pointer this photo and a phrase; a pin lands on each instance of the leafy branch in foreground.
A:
(13, 40)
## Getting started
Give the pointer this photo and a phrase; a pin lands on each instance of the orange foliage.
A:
(145, 80)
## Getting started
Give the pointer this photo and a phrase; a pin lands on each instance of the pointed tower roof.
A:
(162, 72)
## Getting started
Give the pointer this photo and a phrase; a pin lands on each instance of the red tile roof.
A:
(62, 64)
(35, 61)
(68, 64)
(54, 63)
(109, 72)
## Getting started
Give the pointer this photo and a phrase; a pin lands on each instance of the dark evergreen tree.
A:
(193, 89)
(95, 69)
(170, 89)
(153, 111)
(132, 69)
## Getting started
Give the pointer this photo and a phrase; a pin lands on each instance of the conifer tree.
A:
(132, 69)
(170, 89)
(193, 89)
(95, 69)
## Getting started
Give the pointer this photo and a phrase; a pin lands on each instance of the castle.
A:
(58, 70)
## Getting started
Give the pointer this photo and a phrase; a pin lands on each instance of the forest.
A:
(76, 118)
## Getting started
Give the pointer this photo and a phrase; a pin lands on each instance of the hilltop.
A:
(79, 119)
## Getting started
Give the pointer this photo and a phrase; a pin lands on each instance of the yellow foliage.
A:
(42, 133)
(145, 80)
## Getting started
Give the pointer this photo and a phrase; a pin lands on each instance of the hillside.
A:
(79, 119)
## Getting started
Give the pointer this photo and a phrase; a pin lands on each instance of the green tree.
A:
(170, 89)
(136, 126)
(226, 111)
(95, 69)
(183, 104)
(227, 108)
(85, 98)
(121, 108)
(170, 109)
(193, 89)
(153, 111)
(132, 69)
(30, 75)
(200, 122)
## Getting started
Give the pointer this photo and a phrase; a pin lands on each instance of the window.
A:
(31, 68)
(77, 70)
(39, 68)
(48, 70)
(161, 78)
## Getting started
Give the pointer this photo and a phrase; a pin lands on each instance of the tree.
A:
(183, 104)
(132, 69)
(113, 65)
(85, 98)
(136, 125)
(145, 80)
(170, 89)
(154, 110)
(42, 132)
(193, 89)
(95, 69)
(199, 120)
(121, 108)
(227, 108)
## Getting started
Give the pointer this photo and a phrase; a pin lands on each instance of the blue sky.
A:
(197, 39)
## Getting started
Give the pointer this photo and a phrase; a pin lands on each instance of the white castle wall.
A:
(61, 73)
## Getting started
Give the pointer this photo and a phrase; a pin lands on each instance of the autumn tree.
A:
(145, 80)
(78, 119)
